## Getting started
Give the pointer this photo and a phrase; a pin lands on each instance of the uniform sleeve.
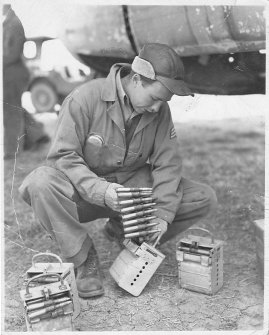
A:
(66, 152)
(166, 167)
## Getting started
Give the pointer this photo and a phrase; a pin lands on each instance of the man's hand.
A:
(162, 226)
(111, 197)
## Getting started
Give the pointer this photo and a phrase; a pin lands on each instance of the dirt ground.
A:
(229, 156)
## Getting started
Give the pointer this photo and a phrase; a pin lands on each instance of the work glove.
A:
(155, 237)
(111, 197)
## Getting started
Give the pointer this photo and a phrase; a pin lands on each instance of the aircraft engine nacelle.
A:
(222, 46)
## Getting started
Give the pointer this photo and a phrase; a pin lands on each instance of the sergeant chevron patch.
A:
(173, 132)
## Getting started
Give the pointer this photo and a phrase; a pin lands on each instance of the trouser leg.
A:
(61, 211)
(198, 202)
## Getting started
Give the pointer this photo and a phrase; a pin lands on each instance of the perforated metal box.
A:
(42, 309)
(66, 270)
(135, 265)
(200, 263)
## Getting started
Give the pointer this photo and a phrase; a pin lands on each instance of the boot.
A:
(88, 277)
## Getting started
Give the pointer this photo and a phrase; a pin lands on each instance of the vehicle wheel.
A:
(44, 96)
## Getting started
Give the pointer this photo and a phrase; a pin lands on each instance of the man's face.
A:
(148, 97)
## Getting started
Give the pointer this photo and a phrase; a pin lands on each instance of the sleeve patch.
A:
(173, 132)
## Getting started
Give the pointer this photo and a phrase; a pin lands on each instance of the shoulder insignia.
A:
(173, 132)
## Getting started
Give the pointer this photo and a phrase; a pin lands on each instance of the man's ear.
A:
(136, 79)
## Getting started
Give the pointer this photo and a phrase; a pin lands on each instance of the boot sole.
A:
(91, 294)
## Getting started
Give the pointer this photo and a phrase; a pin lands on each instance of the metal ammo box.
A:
(200, 263)
(66, 270)
(48, 307)
(135, 265)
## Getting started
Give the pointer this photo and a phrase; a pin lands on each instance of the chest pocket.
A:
(93, 150)
(102, 157)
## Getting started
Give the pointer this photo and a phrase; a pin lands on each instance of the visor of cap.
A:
(175, 86)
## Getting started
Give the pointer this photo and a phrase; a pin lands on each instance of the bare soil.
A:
(229, 156)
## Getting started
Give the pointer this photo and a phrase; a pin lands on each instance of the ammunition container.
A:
(49, 306)
(200, 263)
(135, 265)
(66, 270)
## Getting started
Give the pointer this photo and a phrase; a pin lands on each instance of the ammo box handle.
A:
(203, 230)
(52, 274)
(46, 254)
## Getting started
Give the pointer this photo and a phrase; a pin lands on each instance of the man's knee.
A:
(38, 182)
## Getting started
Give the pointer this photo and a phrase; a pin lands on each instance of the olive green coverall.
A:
(69, 191)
